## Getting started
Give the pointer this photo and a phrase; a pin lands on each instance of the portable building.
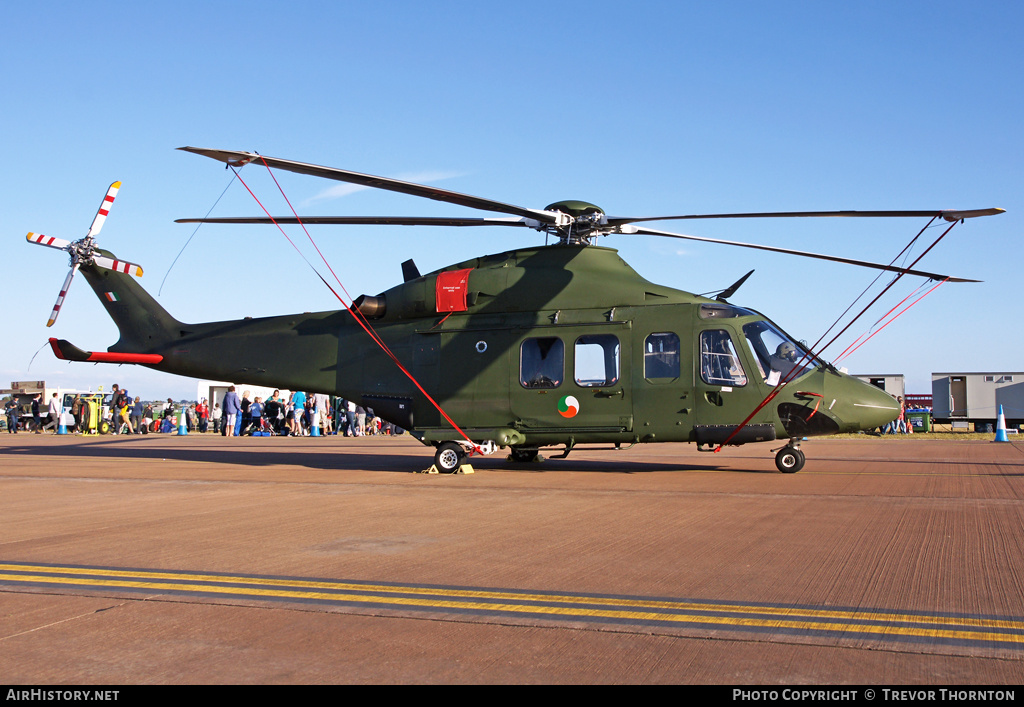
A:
(976, 397)
(892, 383)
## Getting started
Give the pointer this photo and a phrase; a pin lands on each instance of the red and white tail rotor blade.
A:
(118, 265)
(62, 295)
(84, 251)
(50, 241)
(101, 214)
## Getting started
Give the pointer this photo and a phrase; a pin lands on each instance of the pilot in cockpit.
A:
(784, 359)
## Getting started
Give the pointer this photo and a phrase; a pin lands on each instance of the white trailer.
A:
(976, 397)
(892, 383)
(23, 393)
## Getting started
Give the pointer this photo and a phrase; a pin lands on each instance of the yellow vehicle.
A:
(93, 420)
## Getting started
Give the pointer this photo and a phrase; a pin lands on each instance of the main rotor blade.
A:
(101, 213)
(63, 293)
(801, 253)
(236, 159)
(948, 215)
(117, 265)
(50, 241)
(368, 221)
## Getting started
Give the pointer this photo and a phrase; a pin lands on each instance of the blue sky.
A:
(645, 108)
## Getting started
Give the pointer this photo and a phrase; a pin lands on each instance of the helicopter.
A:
(559, 346)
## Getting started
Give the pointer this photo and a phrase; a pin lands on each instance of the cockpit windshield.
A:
(776, 354)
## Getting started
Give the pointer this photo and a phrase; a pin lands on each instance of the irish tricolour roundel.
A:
(568, 406)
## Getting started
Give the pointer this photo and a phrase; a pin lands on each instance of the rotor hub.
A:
(82, 251)
(585, 221)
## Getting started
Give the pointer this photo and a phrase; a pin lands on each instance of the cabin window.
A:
(597, 360)
(541, 362)
(719, 363)
(661, 356)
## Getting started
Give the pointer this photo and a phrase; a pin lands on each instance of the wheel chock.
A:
(463, 469)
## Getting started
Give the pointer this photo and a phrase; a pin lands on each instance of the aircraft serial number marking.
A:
(792, 620)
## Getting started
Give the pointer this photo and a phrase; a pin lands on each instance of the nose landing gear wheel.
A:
(449, 457)
(790, 460)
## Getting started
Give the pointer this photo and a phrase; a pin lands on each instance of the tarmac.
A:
(198, 559)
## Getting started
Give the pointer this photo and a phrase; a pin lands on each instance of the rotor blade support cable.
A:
(816, 352)
(889, 286)
(198, 225)
(296, 248)
(352, 310)
(875, 280)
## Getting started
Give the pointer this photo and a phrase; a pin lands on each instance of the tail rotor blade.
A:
(50, 241)
(62, 295)
(118, 265)
(101, 214)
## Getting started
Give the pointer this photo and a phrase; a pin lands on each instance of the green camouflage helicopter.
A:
(554, 346)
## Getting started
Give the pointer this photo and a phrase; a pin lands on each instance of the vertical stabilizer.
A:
(144, 325)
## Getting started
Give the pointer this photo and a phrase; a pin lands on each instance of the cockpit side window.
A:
(776, 354)
(719, 363)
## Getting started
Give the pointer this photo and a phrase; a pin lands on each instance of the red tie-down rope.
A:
(816, 352)
(870, 330)
(851, 348)
(354, 311)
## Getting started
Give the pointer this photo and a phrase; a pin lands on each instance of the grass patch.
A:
(938, 435)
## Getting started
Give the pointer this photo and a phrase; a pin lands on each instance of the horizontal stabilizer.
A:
(66, 351)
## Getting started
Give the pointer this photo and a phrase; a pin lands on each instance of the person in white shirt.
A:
(55, 411)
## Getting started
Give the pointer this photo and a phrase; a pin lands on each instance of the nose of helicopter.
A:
(859, 405)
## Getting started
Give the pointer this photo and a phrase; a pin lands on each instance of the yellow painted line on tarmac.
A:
(783, 611)
(564, 606)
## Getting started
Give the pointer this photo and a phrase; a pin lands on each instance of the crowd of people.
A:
(120, 413)
(35, 420)
(297, 416)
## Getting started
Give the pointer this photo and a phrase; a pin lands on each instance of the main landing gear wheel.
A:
(449, 457)
(523, 454)
(790, 460)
